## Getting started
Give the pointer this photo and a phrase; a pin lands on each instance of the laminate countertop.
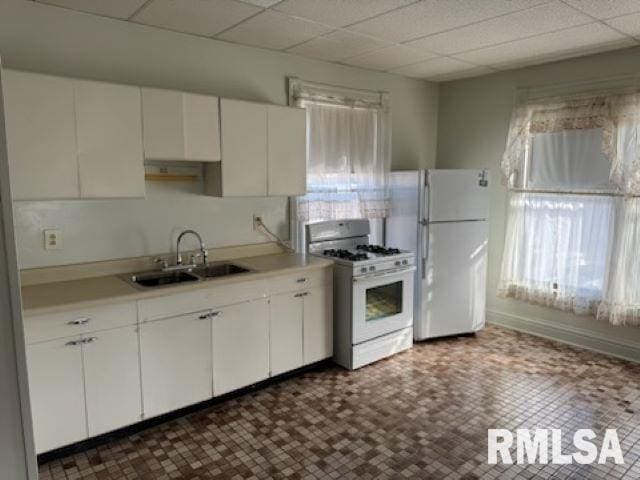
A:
(55, 297)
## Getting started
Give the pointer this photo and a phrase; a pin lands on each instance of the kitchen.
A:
(85, 229)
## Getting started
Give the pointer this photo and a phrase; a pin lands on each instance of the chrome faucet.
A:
(203, 250)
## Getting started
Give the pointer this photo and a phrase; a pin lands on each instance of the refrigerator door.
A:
(455, 195)
(454, 288)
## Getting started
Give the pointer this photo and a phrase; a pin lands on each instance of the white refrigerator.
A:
(442, 216)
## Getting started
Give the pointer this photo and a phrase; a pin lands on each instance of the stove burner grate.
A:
(345, 255)
(377, 249)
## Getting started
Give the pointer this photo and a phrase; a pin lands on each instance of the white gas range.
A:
(373, 292)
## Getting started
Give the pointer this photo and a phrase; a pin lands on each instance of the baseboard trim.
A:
(576, 337)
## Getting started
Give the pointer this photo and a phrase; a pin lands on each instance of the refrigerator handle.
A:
(424, 247)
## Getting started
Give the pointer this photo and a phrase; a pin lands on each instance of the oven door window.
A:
(383, 301)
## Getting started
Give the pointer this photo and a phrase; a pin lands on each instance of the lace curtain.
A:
(573, 230)
(348, 153)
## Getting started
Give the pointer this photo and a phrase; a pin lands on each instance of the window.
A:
(573, 225)
(348, 158)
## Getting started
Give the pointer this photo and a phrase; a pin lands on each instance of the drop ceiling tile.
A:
(338, 12)
(525, 23)
(575, 41)
(200, 17)
(111, 8)
(438, 66)
(389, 58)
(433, 16)
(274, 30)
(472, 72)
(606, 8)
(338, 45)
(629, 24)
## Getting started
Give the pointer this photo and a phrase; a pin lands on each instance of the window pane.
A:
(568, 160)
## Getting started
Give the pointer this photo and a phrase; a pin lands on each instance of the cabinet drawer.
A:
(74, 322)
(201, 299)
(300, 281)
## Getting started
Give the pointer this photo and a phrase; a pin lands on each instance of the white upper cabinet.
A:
(244, 148)
(109, 126)
(180, 126)
(41, 136)
(263, 151)
(287, 151)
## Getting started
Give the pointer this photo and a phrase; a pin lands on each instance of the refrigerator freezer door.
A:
(455, 195)
(454, 288)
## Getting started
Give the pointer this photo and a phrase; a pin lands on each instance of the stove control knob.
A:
(372, 268)
(398, 263)
(363, 269)
(405, 262)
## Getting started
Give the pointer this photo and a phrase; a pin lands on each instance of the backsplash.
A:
(95, 230)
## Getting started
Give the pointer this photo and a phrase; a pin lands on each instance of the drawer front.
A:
(74, 322)
(202, 299)
(300, 281)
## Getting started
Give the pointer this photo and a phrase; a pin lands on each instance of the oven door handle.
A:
(384, 274)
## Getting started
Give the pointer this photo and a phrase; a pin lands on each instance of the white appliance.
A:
(442, 215)
(373, 292)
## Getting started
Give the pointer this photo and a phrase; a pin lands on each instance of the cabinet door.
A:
(287, 150)
(109, 126)
(201, 127)
(163, 124)
(318, 324)
(57, 393)
(112, 379)
(176, 362)
(244, 148)
(41, 136)
(240, 346)
(285, 319)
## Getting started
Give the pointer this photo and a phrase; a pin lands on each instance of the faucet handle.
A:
(165, 263)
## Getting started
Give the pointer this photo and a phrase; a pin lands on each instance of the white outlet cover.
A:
(52, 238)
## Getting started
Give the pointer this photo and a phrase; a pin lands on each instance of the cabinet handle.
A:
(205, 316)
(79, 321)
(215, 314)
(90, 340)
(301, 280)
(73, 343)
(302, 294)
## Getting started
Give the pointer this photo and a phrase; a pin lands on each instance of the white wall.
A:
(473, 122)
(17, 451)
(53, 40)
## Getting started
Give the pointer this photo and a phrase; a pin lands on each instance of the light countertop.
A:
(55, 297)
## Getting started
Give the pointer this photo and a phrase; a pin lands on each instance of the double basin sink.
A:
(188, 274)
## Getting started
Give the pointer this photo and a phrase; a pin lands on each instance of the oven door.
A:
(382, 303)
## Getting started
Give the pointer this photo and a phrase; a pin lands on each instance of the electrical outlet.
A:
(257, 221)
(52, 238)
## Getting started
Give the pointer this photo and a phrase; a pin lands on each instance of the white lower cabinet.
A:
(240, 345)
(56, 389)
(112, 379)
(301, 328)
(318, 324)
(286, 319)
(176, 362)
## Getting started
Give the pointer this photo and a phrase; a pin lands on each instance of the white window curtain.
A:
(348, 153)
(573, 229)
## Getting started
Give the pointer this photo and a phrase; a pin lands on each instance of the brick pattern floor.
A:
(421, 414)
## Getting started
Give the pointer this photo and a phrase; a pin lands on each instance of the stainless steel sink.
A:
(159, 279)
(190, 273)
(214, 270)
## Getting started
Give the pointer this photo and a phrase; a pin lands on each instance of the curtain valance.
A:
(616, 115)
